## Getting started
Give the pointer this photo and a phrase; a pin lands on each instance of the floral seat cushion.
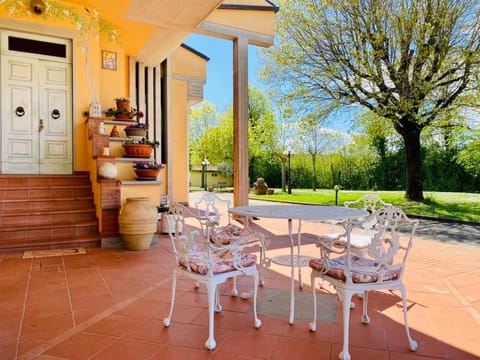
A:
(363, 270)
(356, 241)
(230, 233)
(222, 261)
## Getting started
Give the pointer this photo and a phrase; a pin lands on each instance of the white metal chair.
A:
(360, 239)
(209, 263)
(208, 211)
(382, 268)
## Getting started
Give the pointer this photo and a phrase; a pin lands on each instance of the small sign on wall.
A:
(109, 60)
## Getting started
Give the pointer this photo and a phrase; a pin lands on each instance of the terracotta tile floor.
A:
(110, 303)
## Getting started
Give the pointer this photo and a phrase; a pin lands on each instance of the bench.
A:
(221, 186)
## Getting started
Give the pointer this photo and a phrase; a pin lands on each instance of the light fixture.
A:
(289, 152)
(37, 6)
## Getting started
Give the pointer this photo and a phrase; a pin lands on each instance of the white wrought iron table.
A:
(297, 212)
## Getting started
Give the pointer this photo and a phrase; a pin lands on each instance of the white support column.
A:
(167, 116)
(141, 101)
(157, 115)
(150, 105)
(240, 122)
(132, 80)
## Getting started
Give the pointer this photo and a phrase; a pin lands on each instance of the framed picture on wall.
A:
(109, 60)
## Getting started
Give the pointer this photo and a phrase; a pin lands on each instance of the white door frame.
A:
(56, 143)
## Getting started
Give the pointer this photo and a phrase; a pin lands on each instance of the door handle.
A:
(40, 126)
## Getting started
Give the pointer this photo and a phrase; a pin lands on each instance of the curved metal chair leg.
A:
(167, 320)
(257, 321)
(313, 324)
(347, 297)
(411, 342)
(262, 258)
(234, 290)
(365, 317)
(210, 344)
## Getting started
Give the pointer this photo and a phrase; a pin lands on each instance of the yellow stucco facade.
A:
(149, 55)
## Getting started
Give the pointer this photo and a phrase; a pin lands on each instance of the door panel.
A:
(36, 116)
(55, 137)
(19, 113)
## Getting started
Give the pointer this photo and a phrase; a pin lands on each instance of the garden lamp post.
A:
(337, 189)
(205, 163)
(288, 151)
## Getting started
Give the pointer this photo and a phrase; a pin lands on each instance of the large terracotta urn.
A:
(138, 223)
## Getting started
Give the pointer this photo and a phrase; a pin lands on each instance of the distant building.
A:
(212, 177)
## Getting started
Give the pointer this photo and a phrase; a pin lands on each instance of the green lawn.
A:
(442, 205)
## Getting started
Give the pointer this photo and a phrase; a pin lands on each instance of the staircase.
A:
(46, 212)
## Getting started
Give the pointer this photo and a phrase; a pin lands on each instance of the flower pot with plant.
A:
(139, 148)
(260, 187)
(122, 103)
(147, 169)
(136, 131)
(123, 111)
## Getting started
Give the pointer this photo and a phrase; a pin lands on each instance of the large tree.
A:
(407, 61)
(316, 139)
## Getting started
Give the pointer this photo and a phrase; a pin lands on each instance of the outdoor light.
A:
(37, 6)
(337, 189)
(289, 152)
(205, 163)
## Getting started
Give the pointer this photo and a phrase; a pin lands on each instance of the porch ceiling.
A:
(152, 29)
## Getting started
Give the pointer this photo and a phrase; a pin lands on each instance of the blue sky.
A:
(218, 89)
(219, 86)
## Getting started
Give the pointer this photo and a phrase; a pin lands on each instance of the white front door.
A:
(36, 115)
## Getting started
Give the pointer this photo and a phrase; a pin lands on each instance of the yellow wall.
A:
(213, 178)
(179, 143)
(187, 64)
(113, 83)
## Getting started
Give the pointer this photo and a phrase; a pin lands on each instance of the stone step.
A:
(46, 212)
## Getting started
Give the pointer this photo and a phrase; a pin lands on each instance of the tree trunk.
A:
(284, 177)
(411, 138)
(314, 170)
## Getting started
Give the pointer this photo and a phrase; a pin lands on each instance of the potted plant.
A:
(124, 114)
(137, 130)
(122, 103)
(139, 148)
(260, 187)
(147, 169)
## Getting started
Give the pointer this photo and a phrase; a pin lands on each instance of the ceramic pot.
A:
(138, 223)
(107, 170)
(123, 105)
(136, 133)
(147, 173)
(260, 191)
(138, 150)
(123, 117)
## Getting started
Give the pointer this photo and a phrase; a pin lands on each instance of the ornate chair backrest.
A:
(369, 202)
(391, 242)
(208, 206)
(185, 239)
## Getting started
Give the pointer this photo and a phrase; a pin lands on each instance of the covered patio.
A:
(110, 303)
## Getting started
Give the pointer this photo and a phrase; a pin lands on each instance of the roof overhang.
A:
(150, 30)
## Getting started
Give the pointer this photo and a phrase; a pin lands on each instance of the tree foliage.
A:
(211, 134)
(316, 140)
(409, 62)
